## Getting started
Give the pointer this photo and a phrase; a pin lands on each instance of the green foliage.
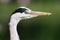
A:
(39, 28)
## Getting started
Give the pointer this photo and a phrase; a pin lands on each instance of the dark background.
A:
(38, 28)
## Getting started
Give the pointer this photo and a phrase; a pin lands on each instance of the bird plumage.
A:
(17, 16)
(20, 10)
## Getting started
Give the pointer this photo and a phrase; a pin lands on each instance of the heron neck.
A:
(13, 33)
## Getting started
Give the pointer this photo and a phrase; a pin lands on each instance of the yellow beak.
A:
(37, 13)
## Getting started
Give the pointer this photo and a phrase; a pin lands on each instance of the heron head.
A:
(26, 13)
(30, 14)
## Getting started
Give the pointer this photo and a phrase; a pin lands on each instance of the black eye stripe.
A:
(21, 10)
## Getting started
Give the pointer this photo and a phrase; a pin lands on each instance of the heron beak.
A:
(37, 13)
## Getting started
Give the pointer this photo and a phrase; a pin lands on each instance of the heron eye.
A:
(26, 12)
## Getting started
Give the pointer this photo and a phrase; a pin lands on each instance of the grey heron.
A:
(17, 16)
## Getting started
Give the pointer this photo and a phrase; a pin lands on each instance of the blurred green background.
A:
(38, 28)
